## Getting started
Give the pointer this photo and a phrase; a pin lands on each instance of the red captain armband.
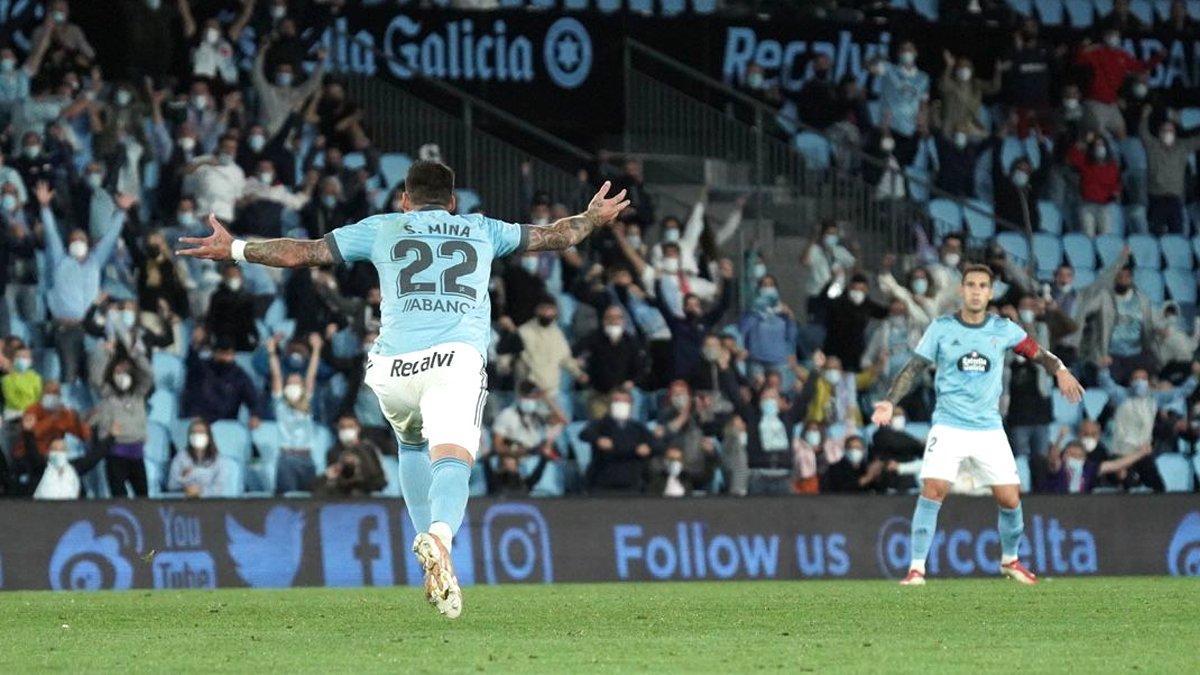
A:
(1027, 347)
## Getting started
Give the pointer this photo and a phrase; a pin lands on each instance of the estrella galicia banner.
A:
(282, 543)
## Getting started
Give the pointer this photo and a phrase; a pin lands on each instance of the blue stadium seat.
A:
(1181, 284)
(1010, 150)
(1022, 7)
(157, 448)
(266, 440)
(168, 371)
(1108, 247)
(1024, 474)
(469, 201)
(1189, 118)
(321, 443)
(815, 150)
(1080, 252)
(1162, 10)
(391, 470)
(354, 161)
(1080, 13)
(1016, 245)
(1050, 12)
(1065, 413)
(1047, 252)
(873, 111)
(1176, 472)
(918, 183)
(1193, 9)
(478, 481)
(580, 449)
(947, 217)
(981, 222)
(1150, 282)
(235, 477)
(551, 484)
(394, 167)
(1103, 7)
(1145, 250)
(926, 8)
(232, 440)
(1143, 10)
(1050, 217)
(1177, 251)
(164, 407)
(1094, 401)
(156, 478)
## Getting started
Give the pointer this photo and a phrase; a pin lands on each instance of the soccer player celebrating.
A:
(427, 366)
(968, 350)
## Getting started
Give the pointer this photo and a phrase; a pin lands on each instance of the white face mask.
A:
(1168, 137)
(234, 284)
(200, 101)
(620, 410)
(964, 74)
(1140, 90)
(1071, 103)
(908, 58)
(78, 249)
(9, 203)
(833, 376)
(812, 437)
(674, 468)
(278, 12)
(759, 270)
(256, 142)
(187, 143)
(293, 392)
(899, 422)
(95, 180)
(1113, 41)
(887, 144)
(529, 263)
(614, 333)
(857, 297)
(1027, 315)
(635, 241)
(128, 317)
(951, 259)
(123, 97)
(8, 65)
(198, 441)
(1020, 178)
(670, 265)
(920, 285)
(212, 36)
(283, 79)
(1075, 464)
(960, 139)
(266, 178)
(123, 381)
(225, 159)
(348, 435)
(671, 235)
(855, 455)
(1089, 443)
(528, 405)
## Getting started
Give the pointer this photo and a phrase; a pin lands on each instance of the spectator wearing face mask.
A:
(279, 96)
(893, 341)
(1016, 191)
(352, 465)
(769, 331)
(523, 286)
(1099, 183)
(687, 237)
(670, 475)
(231, 312)
(326, 211)
(962, 94)
(196, 470)
(758, 448)
(1176, 348)
(830, 395)
(75, 277)
(1110, 65)
(1028, 72)
(268, 207)
(1027, 405)
(716, 373)
(15, 78)
(162, 280)
(547, 354)
(847, 472)
(205, 121)
(217, 387)
(887, 174)
(1167, 158)
(614, 358)
(216, 182)
(120, 418)
(1137, 408)
(261, 147)
(21, 385)
(213, 58)
(531, 425)
(688, 331)
(846, 323)
(293, 400)
(620, 449)
(1073, 470)
(46, 421)
(918, 297)
(904, 92)
(955, 159)
(681, 425)
(824, 258)
(811, 451)
(1126, 323)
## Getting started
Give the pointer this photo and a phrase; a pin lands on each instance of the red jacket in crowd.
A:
(1099, 182)
(1110, 66)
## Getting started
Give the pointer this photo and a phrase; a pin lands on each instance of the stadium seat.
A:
(266, 440)
(1023, 473)
(1094, 400)
(1022, 7)
(1143, 10)
(1145, 250)
(394, 167)
(1176, 472)
(156, 477)
(1080, 252)
(1016, 245)
(1050, 217)
(164, 407)
(1193, 9)
(551, 483)
(947, 217)
(1162, 10)
(1080, 13)
(926, 8)
(469, 201)
(1049, 11)
(580, 449)
(1103, 7)
(169, 371)
(157, 448)
(1065, 413)
(1047, 253)
(919, 181)
(981, 222)
(1010, 150)
(1150, 282)
(232, 440)
(322, 441)
(391, 471)
(354, 161)
(873, 111)
(1177, 251)
(1181, 284)
(235, 477)
(1108, 247)
(815, 150)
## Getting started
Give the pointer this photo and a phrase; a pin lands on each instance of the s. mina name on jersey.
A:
(451, 229)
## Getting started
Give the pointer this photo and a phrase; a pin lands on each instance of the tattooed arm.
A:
(567, 232)
(273, 252)
(903, 384)
(1067, 384)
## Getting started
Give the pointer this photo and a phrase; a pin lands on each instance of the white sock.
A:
(918, 565)
(1006, 559)
(442, 532)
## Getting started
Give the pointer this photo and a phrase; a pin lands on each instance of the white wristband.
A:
(238, 250)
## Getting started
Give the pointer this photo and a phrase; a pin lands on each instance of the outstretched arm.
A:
(903, 384)
(1067, 384)
(272, 252)
(567, 232)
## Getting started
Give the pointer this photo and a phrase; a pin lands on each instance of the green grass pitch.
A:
(1081, 625)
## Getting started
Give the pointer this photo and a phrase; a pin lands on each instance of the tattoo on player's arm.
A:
(907, 378)
(289, 252)
(1051, 363)
(561, 234)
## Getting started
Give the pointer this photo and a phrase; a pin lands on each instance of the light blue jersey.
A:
(434, 269)
(970, 368)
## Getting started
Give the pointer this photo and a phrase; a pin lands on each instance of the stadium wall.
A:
(282, 543)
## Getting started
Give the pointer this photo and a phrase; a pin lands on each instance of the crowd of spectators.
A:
(623, 366)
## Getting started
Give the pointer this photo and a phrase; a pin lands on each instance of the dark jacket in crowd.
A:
(846, 327)
(610, 364)
(619, 469)
(687, 333)
(231, 318)
(360, 471)
(216, 391)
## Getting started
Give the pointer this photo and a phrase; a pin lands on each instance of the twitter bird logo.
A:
(269, 560)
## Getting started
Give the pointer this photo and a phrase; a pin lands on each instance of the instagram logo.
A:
(516, 545)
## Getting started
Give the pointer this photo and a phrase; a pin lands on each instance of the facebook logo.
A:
(356, 547)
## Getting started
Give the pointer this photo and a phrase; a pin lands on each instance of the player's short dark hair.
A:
(978, 269)
(429, 183)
